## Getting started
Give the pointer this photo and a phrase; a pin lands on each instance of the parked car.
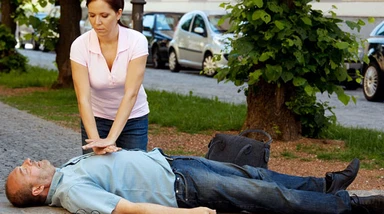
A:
(197, 39)
(29, 34)
(159, 28)
(373, 83)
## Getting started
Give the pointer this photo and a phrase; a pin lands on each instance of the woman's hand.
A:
(101, 146)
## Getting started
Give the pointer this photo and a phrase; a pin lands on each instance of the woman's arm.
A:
(133, 81)
(127, 207)
(83, 95)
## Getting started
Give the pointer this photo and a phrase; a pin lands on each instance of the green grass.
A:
(34, 77)
(186, 113)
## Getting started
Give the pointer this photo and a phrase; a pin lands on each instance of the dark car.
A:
(373, 83)
(159, 27)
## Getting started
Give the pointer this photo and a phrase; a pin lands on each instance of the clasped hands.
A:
(101, 146)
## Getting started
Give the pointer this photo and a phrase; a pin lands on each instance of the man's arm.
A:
(126, 207)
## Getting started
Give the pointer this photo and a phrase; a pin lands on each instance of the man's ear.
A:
(36, 190)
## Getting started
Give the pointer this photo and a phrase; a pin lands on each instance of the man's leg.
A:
(227, 187)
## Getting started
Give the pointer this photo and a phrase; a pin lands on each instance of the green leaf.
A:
(342, 45)
(299, 81)
(254, 77)
(299, 56)
(259, 3)
(273, 72)
(279, 24)
(265, 56)
(309, 89)
(261, 14)
(341, 95)
(286, 76)
(306, 21)
(371, 20)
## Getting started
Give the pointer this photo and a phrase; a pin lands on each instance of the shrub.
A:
(10, 59)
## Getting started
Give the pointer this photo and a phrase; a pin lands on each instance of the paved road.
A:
(363, 114)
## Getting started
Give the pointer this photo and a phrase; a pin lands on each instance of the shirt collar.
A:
(54, 183)
(122, 45)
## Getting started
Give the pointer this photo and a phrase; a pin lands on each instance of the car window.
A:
(213, 22)
(148, 21)
(380, 31)
(198, 22)
(186, 22)
(166, 21)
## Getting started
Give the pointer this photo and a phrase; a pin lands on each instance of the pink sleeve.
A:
(141, 47)
(78, 51)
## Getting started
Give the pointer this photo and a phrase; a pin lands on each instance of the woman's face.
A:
(102, 17)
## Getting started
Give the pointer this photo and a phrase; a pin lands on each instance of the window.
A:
(198, 22)
(186, 22)
(148, 21)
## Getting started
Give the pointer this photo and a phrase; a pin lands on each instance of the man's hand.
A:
(202, 210)
(101, 146)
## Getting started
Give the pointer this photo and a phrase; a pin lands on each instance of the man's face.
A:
(32, 172)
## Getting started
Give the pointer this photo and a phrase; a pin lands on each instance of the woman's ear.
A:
(119, 14)
(36, 190)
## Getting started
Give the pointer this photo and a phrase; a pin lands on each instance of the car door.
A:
(182, 37)
(197, 41)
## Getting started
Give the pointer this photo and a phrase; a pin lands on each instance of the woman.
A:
(108, 64)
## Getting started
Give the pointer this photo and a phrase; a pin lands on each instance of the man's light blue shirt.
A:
(98, 182)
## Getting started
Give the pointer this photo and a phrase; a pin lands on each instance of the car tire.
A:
(209, 66)
(156, 58)
(373, 83)
(35, 45)
(173, 63)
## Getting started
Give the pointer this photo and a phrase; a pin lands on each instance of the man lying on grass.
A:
(150, 182)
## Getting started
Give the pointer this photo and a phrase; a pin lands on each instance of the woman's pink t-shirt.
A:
(107, 87)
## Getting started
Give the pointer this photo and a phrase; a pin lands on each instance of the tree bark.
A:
(69, 29)
(267, 111)
(7, 9)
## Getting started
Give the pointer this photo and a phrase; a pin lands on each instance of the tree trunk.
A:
(7, 9)
(267, 111)
(69, 29)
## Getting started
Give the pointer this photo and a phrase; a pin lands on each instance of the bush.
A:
(10, 59)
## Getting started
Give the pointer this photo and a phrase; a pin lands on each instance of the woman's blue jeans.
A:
(229, 188)
(133, 136)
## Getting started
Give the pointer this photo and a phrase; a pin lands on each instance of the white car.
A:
(197, 39)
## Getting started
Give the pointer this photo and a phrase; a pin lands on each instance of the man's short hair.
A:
(22, 197)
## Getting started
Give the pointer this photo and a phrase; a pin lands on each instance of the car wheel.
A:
(209, 66)
(156, 59)
(173, 64)
(373, 83)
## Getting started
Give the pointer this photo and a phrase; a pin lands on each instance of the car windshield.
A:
(167, 21)
(213, 22)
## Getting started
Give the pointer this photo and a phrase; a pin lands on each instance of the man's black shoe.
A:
(367, 204)
(336, 181)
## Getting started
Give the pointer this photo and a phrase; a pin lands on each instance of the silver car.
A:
(197, 39)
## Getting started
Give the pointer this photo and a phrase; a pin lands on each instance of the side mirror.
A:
(199, 30)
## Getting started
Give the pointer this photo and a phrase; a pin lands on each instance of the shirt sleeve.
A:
(141, 46)
(89, 198)
(78, 51)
